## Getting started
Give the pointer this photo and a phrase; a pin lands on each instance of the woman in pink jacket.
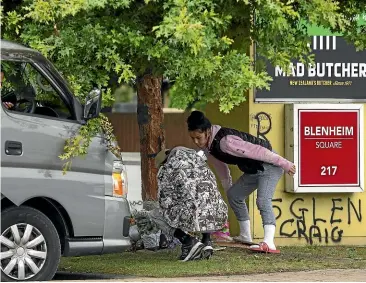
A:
(262, 170)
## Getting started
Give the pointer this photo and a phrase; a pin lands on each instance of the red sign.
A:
(329, 147)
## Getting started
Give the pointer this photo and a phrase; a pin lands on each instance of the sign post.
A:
(327, 147)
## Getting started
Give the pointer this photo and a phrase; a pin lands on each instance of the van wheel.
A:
(30, 245)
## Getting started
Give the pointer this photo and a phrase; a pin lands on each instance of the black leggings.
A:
(184, 238)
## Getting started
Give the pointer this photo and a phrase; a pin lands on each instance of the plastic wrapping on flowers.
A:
(223, 234)
(145, 234)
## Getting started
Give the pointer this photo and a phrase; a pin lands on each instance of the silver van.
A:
(44, 213)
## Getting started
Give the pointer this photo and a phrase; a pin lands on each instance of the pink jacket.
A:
(234, 145)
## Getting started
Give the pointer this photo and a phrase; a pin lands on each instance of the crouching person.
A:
(189, 201)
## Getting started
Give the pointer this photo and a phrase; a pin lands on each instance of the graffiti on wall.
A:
(306, 223)
(262, 122)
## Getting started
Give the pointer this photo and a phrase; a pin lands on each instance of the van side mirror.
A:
(93, 104)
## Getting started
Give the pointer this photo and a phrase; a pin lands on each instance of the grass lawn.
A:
(228, 262)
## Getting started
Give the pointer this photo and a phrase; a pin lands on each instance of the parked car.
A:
(45, 214)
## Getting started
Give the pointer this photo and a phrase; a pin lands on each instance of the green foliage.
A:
(124, 93)
(77, 146)
(204, 45)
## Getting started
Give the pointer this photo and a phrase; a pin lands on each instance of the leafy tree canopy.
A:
(203, 45)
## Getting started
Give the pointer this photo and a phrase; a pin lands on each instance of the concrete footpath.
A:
(329, 275)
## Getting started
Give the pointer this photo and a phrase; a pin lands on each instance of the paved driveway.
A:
(331, 275)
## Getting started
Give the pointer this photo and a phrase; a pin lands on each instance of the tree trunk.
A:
(150, 118)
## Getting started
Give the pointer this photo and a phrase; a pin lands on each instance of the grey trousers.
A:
(265, 181)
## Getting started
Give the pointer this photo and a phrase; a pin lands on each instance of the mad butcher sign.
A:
(338, 73)
(326, 143)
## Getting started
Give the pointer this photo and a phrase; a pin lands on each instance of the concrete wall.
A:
(132, 161)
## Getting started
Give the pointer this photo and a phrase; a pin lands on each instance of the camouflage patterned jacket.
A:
(188, 194)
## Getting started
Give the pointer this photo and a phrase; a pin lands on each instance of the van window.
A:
(24, 89)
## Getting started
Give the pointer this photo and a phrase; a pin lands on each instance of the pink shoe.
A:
(263, 248)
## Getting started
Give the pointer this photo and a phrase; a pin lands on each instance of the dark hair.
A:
(198, 121)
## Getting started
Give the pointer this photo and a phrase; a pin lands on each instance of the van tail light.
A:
(119, 176)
